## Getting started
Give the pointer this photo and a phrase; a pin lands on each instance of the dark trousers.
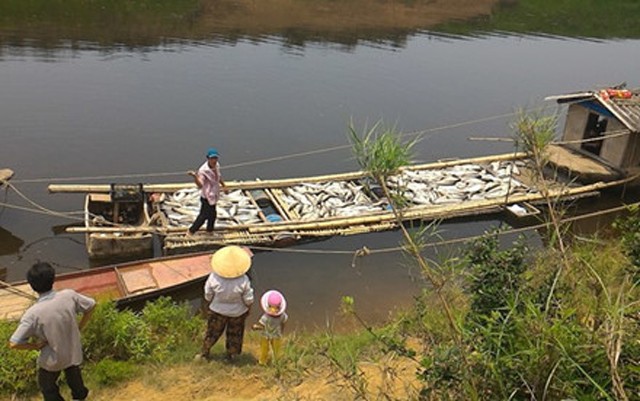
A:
(48, 382)
(218, 324)
(207, 212)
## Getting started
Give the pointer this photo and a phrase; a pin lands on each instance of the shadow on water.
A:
(9, 243)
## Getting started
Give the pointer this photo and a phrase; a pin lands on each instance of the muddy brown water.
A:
(273, 85)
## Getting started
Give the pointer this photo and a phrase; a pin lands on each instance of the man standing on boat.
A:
(209, 180)
(51, 321)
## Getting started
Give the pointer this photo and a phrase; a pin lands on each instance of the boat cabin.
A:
(124, 205)
(604, 124)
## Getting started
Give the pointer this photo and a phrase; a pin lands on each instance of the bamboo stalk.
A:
(275, 183)
(415, 213)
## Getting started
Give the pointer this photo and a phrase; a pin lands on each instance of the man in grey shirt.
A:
(52, 323)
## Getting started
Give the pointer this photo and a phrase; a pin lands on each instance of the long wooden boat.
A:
(600, 148)
(123, 283)
(284, 211)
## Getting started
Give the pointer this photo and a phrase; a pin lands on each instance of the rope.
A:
(288, 156)
(610, 134)
(364, 251)
(38, 206)
(267, 160)
(10, 288)
(43, 210)
(48, 213)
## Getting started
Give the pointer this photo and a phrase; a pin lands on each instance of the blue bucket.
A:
(274, 218)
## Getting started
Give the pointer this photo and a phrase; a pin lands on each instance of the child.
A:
(271, 324)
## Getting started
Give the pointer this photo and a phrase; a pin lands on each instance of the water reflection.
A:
(81, 25)
(593, 21)
(121, 25)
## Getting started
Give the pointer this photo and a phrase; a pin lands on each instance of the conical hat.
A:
(231, 261)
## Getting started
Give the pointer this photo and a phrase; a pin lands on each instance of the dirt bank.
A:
(245, 380)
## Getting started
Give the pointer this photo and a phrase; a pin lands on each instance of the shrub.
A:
(173, 328)
(156, 333)
(496, 275)
(18, 367)
(118, 335)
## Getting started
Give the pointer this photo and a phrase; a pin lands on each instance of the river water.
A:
(138, 96)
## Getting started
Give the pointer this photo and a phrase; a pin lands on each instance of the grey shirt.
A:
(273, 325)
(53, 319)
(229, 296)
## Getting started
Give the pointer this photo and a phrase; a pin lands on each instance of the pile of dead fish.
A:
(464, 182)
(234, 208)
(312, 201)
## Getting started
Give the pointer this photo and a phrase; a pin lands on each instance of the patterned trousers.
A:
(218, 324)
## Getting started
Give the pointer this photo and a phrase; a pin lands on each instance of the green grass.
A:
(512, 345)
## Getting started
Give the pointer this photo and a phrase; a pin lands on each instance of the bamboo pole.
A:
(275, 183)
(414, 213)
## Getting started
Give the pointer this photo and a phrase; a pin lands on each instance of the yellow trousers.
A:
(266, 345)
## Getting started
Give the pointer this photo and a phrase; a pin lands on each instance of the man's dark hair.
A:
(41, 276)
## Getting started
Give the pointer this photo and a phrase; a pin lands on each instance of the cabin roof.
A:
(622, 104)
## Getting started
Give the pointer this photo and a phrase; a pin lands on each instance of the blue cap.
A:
(212, 152)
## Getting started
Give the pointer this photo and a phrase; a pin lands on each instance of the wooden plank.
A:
(579, 164)
(168, 274)
(138, 279)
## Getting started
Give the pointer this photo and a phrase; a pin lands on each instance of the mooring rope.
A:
(266, 160)
(17, 291)
(38, 206)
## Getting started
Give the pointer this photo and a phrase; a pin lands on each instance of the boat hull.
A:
(124, 283)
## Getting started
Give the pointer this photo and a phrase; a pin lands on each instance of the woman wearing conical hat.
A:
(230, 295)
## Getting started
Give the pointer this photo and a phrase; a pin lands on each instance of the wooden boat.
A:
(279, 223)
(123, 283)
(284, 211)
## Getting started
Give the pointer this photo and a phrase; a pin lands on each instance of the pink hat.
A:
(273, 298)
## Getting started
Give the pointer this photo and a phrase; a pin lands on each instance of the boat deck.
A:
(580, 165)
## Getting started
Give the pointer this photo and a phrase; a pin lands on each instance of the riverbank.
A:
(558, 322)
